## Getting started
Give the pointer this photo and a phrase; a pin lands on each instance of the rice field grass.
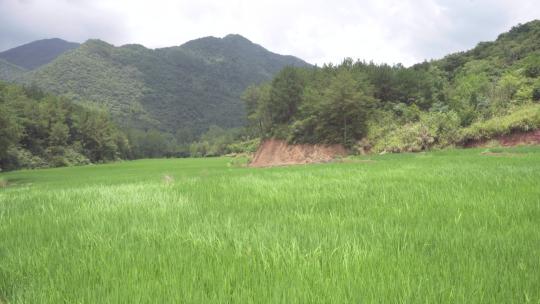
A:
(456, 226)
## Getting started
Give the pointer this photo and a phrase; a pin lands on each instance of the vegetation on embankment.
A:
(491, 90)
(456, 226)
(523, 119)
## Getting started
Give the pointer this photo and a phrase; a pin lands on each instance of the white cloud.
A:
(318, 31)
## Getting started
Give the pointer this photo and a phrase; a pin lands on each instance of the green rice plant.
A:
(452, 226)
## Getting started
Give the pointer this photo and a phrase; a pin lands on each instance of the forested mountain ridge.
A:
(182, 89)
(10, 72)
(163, 99)
(37, 53)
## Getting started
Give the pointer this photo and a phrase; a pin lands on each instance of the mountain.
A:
(511, 50)
(187, 87)
(35, 54)
(10, 72)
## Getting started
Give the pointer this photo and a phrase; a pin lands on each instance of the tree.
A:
(10, 130)
(285, 95)
(97, 135)
(257, 101)
(336, 113)
(59, 134)
(344, 109)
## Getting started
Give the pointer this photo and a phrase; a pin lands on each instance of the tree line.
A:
(41, 130)
(393, 108)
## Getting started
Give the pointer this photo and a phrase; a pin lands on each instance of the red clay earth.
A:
(274, 152)
(514, 139)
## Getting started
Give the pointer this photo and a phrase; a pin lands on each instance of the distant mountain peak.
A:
(37, 53)
(97, 41)
(187, 87)
(236, 37)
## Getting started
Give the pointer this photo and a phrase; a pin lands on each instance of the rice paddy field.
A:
(456, 226)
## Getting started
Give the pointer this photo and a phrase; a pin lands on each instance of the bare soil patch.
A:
(274, 152)
(514, 139)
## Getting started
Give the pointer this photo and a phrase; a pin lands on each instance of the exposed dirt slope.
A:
(275, 152)
(525, 138)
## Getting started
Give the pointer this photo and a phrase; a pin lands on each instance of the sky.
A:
(318, 31)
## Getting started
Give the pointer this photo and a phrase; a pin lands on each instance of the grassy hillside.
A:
(37, 53)
(187, 87)
(456, 226)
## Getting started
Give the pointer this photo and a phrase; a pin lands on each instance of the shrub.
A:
(536, 94)
(22, 158)
(411, 138)
(523, 119)
(435, 129)
(248, 146)
(239, 161)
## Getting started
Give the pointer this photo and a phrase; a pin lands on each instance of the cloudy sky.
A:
(318, 31)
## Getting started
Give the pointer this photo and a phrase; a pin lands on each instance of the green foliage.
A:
(336, 114)
(285, 95)
(257, 100)
(295, 107)
(21, 158)
(536, 94)
(10, 130)
(217, 141)
(433, 129)
(246, 146)
(189, 87)
(168, 99)
(10, 72)
(522, 119)
(393, 108)
(39, 130)
(238, 161)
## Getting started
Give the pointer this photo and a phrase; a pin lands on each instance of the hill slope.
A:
(10, 72)
(480, 94)
(37, 53)
(186, 87)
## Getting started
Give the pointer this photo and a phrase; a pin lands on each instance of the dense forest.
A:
(39, 130)
(171, 91)
(491, 90)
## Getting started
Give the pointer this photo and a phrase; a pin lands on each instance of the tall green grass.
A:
(445, 227)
